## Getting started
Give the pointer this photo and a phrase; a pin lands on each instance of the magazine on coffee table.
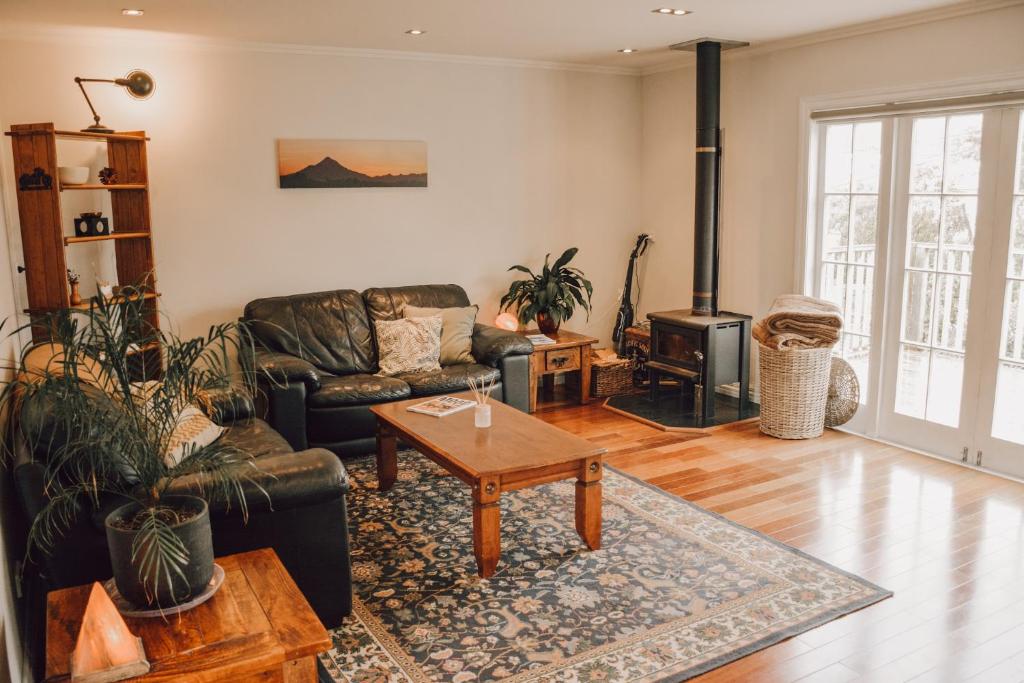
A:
(442, 406)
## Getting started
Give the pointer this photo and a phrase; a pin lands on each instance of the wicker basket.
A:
(608, 378)
(794, 391)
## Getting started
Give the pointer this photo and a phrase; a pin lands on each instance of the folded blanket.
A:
(799, 322)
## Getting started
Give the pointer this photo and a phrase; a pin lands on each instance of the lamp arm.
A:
(79, 81)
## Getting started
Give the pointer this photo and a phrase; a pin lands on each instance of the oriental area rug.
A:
(675, 590)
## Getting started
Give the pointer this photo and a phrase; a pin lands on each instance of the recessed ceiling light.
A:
(133, 12)
(670, 11)
(415, 32)
(628, 50)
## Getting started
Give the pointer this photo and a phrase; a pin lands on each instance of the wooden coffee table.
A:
(258, 627)
(516, 451)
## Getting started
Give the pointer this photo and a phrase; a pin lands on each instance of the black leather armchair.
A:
(303, 515)
(317, 358)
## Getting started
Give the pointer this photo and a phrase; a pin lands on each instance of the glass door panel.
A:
(849, 236)
(942, 210)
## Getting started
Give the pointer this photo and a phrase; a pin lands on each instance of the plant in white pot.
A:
(110, 437)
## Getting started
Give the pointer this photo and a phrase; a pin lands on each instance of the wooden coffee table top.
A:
(257, 622)
(514, 442)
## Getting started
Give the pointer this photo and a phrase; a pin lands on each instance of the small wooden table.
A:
(569, 353)
(257, 627)
(516, 451)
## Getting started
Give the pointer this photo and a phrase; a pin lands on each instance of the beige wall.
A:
(522, 161)
(761, 214)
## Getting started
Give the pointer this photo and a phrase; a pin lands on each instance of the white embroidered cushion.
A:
(408, 345)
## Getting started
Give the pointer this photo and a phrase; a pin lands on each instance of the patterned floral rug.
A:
(675, 590)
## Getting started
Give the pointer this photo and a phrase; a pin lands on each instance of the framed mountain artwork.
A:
(352, 163)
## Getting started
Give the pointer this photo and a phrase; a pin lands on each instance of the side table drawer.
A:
(563, 359)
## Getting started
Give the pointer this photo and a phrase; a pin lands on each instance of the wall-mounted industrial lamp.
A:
(138, 84)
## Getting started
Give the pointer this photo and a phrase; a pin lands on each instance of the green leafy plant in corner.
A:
(555, 292)
(106, 434)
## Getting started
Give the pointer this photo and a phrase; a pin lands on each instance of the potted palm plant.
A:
(111, 437)
(550, 296)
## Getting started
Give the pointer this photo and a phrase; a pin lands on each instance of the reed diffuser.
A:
(482, 390)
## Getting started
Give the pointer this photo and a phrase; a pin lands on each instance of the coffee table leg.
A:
(588, 504)
(486, 526)
(387, 457)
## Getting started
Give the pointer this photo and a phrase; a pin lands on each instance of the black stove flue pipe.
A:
(705, 218)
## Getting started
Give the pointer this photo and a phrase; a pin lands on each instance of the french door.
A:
(928, 263)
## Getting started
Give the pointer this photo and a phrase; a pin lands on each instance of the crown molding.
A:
(92, 36)
(928, 16)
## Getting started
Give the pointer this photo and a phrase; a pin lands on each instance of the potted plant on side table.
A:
(118, 442)
(550, 296)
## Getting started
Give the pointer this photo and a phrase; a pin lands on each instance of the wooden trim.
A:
(82, 135)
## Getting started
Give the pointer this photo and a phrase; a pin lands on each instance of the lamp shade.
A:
(507, 321)
(138, 83)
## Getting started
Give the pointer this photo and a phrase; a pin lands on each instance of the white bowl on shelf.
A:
(73, 175)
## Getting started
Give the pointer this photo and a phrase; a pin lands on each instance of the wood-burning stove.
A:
(700, 345)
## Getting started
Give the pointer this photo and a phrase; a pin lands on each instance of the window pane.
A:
(833, 284)
(963, 153)
(865, 229)
(917, 307)
(952, 292)
(836, 234)
(926, 154)
(1017, 238)
(1007, 422)
(912, 384)
(857, 352)
(1013, 323)
(958, 227)
(867, 156)
(945, 382)
(924, 232)
(857, 313)
(838, 157)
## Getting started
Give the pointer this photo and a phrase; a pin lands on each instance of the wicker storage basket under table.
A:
(609, 378)
(794, 391)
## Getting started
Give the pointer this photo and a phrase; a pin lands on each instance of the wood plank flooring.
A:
(948, 540)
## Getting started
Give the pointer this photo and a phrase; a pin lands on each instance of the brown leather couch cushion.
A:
(358, 390)
(388, 303)
(329, 329)
(449, 379)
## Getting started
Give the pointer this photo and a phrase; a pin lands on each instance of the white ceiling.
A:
(585, 32)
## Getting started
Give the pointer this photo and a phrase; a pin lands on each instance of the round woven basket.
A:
(794, 391)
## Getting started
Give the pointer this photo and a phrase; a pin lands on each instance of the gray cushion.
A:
(447, 380)
(358, 390)
(456, 331)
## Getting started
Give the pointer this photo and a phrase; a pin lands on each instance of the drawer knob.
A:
(559, 362)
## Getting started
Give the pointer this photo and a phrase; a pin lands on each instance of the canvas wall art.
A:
(352, 163)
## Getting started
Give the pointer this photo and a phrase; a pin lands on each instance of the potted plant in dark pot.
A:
(550, 296)
(112, 437)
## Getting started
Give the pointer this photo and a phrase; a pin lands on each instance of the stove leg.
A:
(655, 380)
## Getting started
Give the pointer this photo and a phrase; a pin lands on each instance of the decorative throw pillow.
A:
(192, 428)
(408, 345)
(456, 331)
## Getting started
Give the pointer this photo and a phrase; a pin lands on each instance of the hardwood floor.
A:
(949, 541)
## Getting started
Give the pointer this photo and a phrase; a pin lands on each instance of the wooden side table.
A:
(257, 627)
(569, 353)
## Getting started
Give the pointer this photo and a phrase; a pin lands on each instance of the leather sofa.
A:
(305, 520)
(317, 356)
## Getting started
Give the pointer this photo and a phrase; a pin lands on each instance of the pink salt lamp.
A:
(507, 321)
(106, 650)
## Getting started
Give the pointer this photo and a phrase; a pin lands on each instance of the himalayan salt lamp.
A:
(507, 321)
(106, 650)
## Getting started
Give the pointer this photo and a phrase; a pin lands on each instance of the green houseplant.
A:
(550, 296)
(108, 437)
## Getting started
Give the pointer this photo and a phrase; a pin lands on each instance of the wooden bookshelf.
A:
(42, 235)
